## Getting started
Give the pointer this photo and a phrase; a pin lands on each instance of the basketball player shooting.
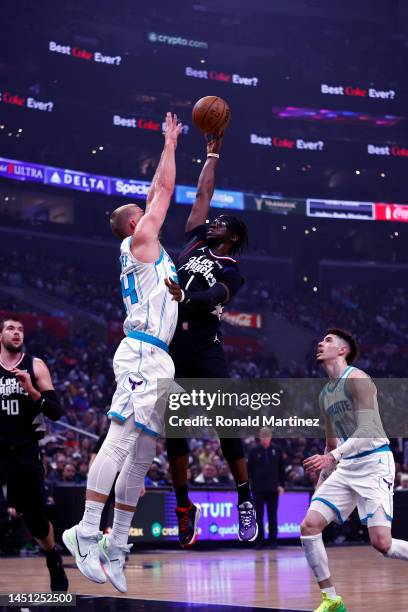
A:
(141, 358)
(357, 468)
(208, 278)
(27, 395)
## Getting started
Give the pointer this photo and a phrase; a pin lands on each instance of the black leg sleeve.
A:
(177, 447)
(232, 449)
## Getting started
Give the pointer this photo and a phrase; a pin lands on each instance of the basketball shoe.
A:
(331, 605)
(248, 527)
(187, 519)
(113, 557)
(85, 550)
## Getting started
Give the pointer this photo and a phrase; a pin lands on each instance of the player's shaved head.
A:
(124, 219)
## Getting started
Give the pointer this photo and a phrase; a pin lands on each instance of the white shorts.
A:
(366, 482)
(137, 366)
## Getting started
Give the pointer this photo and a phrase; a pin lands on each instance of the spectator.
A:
(69, 473)
(403, 486)
(154, 477)
(224, 476)
(82, 473)
(207, 476)
(55, 475)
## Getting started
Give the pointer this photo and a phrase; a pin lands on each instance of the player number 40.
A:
(10, 406)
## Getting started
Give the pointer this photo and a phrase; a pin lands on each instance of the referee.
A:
(27, 395)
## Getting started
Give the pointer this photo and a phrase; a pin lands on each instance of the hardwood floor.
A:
(272, 579)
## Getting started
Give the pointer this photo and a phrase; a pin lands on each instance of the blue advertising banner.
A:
(220, 199)
(80, 181)
(21, 171)
(185, 194)
(129, 187)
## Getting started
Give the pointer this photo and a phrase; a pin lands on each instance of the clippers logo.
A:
(201, 265)
(10, 386)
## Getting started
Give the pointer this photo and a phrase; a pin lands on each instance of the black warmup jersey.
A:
(198, 269)
(20, 420)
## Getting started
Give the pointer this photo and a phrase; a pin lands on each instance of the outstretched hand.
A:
(172, 129)
(174, 290)
(214, 142)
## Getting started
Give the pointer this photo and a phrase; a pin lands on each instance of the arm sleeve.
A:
(49, 405)
(232, 279)
(206, 300)
(360, 441)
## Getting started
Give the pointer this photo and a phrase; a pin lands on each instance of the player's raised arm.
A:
(145, 243)
(157, 174)
(206, 183)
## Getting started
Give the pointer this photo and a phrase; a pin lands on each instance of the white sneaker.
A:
(113, 559)
(85, 550)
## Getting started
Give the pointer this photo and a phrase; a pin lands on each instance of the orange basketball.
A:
(211, 114)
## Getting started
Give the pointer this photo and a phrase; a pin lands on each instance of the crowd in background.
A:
(82, 366)
(82, 371)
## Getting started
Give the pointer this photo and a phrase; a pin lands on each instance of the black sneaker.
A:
(59, 580)
(187, 519)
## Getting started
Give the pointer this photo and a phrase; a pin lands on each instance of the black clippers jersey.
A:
(199, 269)
(20, 421)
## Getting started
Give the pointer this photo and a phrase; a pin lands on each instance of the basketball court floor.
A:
(226, 580)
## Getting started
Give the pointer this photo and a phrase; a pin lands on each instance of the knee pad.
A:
(119, 441)
(134, 470)
(232, 449)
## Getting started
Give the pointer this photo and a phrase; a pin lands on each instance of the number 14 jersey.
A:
(148, 304)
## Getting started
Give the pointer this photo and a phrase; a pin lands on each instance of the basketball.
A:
(211, 114)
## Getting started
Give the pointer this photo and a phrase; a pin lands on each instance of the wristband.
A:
(183, 296)
(216, 155)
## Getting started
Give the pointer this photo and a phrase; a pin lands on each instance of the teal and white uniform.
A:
(142, 356)
(366, 479)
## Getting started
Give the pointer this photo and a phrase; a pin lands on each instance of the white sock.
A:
(121, 524)
(92, 518)
(398, 550)
(330, 592)
(316, 556)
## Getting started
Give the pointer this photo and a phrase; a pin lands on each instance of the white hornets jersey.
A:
(340, 412)
(148, 304)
